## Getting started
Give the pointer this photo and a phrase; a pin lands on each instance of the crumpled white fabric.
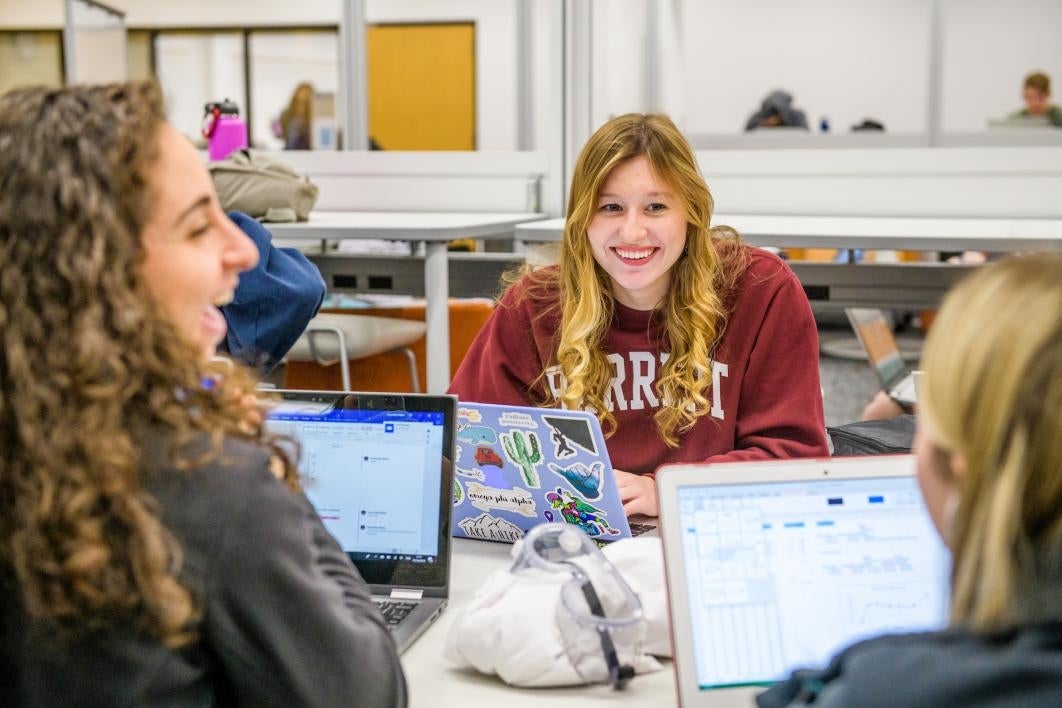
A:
(510, 628)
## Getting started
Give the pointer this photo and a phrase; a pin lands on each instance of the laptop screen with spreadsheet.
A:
(782, 575)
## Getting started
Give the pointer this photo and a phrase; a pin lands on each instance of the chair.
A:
(333, 338)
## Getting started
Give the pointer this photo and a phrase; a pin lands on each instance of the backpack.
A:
(262, 187)
(874, 437)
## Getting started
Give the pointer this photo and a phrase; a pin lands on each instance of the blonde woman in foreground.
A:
(989, 449)
(689, 346)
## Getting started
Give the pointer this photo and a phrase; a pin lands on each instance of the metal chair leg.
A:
(343, 361)
(412, 359)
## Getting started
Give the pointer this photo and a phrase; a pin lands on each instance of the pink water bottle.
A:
(224, 129)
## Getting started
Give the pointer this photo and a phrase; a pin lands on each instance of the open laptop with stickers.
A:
(517, 467)
(776, 565)
(377, 468)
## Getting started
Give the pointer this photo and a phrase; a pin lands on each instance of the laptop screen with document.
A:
(377, 468)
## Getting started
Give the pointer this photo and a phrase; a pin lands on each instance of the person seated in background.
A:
(688, 345)
(154, 545)
(295, 122)
(273, 302)
(777, 111)
(989, 449)
(1036, 92)
(869, 125)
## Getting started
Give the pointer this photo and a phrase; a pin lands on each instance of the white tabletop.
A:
(433, 682)
(887, 232)
(401, 226)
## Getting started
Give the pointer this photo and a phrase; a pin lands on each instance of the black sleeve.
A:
(288, 616)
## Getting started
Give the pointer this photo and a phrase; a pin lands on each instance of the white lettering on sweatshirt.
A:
(640, 368)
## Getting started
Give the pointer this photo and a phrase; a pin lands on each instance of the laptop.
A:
(880, 345)
(377, 469)
(517, 467)
(1019, 123)
(778, 565)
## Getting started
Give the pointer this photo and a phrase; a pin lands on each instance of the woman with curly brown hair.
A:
(148, 554)
(689, 346)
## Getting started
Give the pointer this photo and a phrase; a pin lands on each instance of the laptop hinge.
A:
(406, 594)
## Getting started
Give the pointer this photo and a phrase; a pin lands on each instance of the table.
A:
(433, 682)
(435, 229)
(879, 232)
(899, 285)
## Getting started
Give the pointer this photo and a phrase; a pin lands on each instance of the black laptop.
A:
(378, 469)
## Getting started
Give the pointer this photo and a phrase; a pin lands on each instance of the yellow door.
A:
(421, 86)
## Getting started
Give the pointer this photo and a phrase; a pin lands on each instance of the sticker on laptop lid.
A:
(575, 511)
(570, 431)
(519, 501)
(586, 480)
(513, 419)
(524, 451)
(490, 528)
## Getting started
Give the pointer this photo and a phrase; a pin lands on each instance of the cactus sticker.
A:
(524, 451)
(459, 494)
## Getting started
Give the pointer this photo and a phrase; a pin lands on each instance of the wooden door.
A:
(421, 86)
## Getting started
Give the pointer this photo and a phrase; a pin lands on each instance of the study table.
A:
(899, 285)
(434, 229)
(877, 232)
(433, 682)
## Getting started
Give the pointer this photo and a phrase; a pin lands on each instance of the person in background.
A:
(989, 449)
(273, 302)
(155, 548)
(777, 111)
(688, 345)
(1036, 92)
(296, 121)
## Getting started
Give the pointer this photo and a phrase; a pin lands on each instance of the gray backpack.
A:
(262, 187)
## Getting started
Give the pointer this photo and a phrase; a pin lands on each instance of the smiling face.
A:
(193, 253)
(637, 233)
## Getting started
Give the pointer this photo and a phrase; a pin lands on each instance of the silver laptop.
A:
(878, 342)
(1019, 123)
(378, 470)
(778, 565)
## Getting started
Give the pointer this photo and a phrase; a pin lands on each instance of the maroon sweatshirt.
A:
(765, 395)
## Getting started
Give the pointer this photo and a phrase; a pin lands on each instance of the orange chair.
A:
(389, 371)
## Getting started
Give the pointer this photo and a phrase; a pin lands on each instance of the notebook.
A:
(778, 565)
(517, 467)
(377, 469)
(880, 345)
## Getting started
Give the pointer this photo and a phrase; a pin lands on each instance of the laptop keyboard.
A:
(394, 611)
(639, 529)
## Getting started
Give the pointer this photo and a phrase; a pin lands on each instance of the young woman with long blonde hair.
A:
(689, 346)
(149, 553)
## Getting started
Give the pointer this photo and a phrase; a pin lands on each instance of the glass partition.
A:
(93, 43)
(30, 57)
(195, 68)
(294, 88)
